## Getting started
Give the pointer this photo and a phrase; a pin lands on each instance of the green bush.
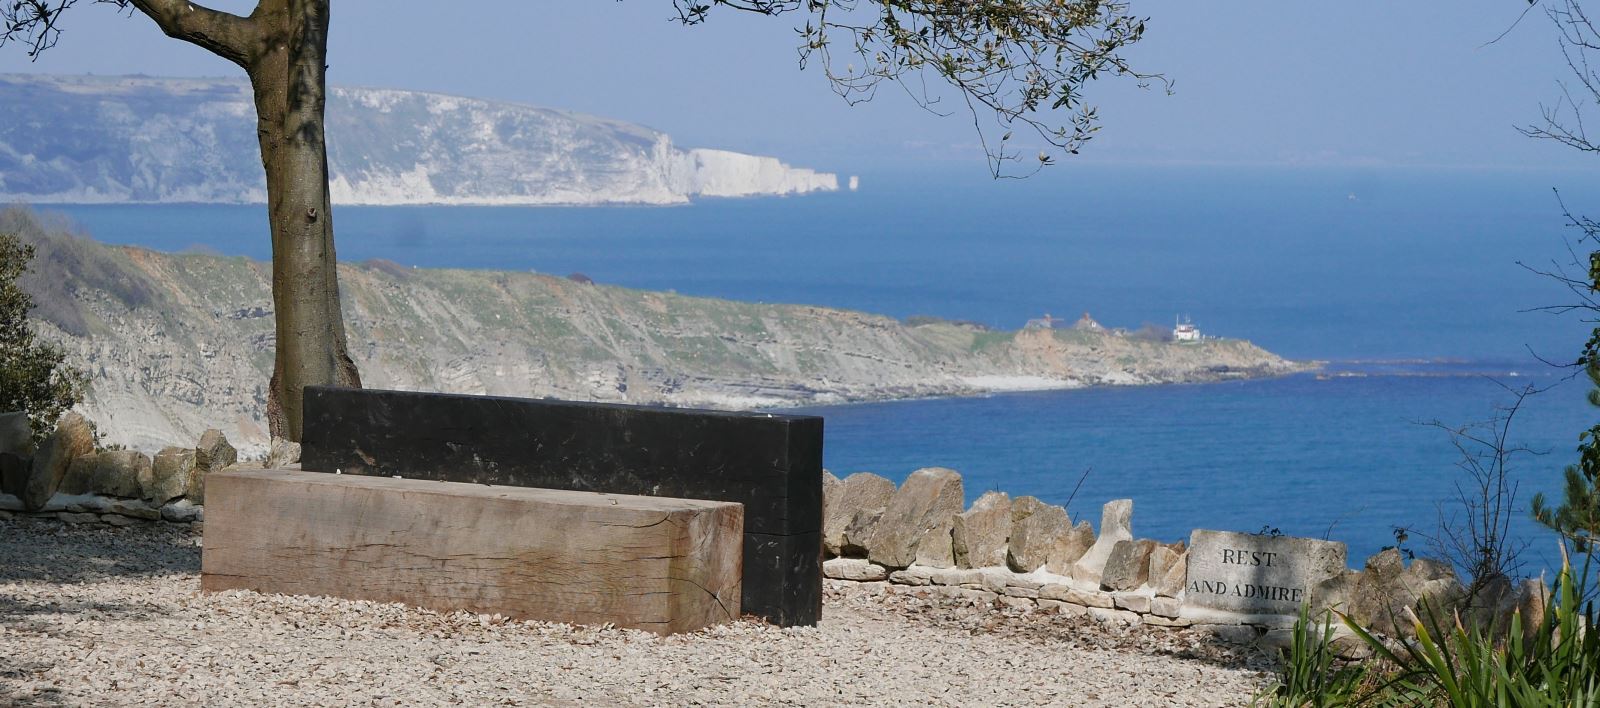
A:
(1555, 663)
(1312, 675)
(34, 377)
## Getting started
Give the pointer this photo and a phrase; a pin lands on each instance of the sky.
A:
(1255, 82)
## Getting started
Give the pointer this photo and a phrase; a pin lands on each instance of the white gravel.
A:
(114, 616)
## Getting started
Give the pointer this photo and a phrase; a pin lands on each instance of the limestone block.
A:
(1012, 580)
(853, 569)
(1172, 583)
(80, 504)
(857, 532)
(72, 438)
(858, 493)
(936, 547)
(1532, 597)
(172, 474)
(1015, 603)
(1334, 593)
(122, 473)
(135, 509)
(1380, 596)
(182, 511)
(1065, 609)
(13, 472)
(1162, 558)
(75, 517)
(1067, 593)
(979, 535)
(654, 563)
(1014, 591)
(956, 577)
(1491, 609)
(1257, 574)
(1423, 570)
(1440, 598)
(1122, 617)
(79, 478)
(912, 576)
(1128, 566)
(284, 453)
(930, 498)
(830, 497)
(1165, 607)
(1070, 547)
(1116, 524)
(1036, 527)
(213, 454)
(1132, 602)
(16, 434)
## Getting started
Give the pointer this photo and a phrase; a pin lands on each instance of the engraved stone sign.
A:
(1257, 574)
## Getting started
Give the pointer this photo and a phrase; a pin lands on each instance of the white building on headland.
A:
(1184, 331)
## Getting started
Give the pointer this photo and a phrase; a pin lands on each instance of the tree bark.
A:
(283, 47)
(290, 85)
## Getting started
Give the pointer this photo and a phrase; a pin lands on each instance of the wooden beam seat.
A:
(654, 563)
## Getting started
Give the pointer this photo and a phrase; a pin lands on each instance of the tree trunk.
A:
(288, 76)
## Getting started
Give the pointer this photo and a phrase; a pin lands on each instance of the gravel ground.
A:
(114, 616)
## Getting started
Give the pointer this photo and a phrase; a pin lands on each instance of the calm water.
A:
(1392, 273)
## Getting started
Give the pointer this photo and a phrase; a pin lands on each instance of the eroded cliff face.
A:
(90, 139)
(176, 343)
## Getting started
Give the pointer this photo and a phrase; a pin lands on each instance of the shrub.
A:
(1553, 660)
(34, 377)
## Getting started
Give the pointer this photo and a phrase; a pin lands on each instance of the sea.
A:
(1425, 292)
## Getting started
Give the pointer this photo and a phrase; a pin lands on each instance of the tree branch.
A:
(37, 24)
(224, 34)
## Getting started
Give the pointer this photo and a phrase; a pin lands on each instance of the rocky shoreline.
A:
(179, 343)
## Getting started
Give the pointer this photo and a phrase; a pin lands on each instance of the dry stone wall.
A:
(68, 478)
(916, 538)
(1023, 552)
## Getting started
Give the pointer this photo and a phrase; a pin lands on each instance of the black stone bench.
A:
(770, 463)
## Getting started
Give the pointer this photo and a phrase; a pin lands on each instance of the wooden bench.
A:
(652, 563)
(772, 464)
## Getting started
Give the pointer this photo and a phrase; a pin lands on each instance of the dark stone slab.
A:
(787, 571)
(770, 463)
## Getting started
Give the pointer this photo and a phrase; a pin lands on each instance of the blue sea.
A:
(1417, 286)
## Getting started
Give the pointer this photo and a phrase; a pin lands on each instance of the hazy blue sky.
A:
(1360, 82)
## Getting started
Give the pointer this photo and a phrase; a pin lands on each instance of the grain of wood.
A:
(653, 563)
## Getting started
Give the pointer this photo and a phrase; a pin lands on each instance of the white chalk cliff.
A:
(88, 139)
